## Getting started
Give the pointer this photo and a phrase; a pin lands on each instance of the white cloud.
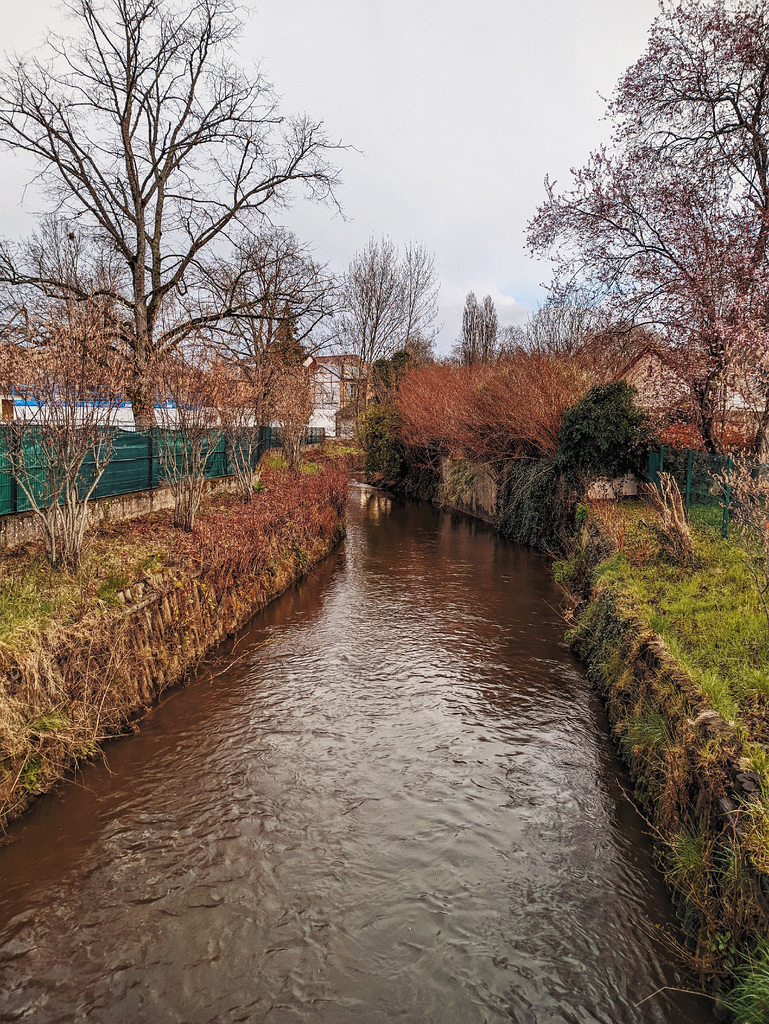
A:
(458, 111)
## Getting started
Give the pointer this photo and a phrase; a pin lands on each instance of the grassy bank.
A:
(80, 655)
(681, 654)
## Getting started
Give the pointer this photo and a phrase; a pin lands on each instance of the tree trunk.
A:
(142, 396)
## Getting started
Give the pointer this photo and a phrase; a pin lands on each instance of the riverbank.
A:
(679, 650)
(82, 656)
(678, 654)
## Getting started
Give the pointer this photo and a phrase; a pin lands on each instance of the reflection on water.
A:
(399, 803)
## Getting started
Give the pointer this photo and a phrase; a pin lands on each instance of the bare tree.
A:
(149, 136)
(287, 295)
(420, 298)
(468, 348)
(386, 304)
(489, 330)
(242, 404)
(65, 367)
(191, 428)
(563, 324)
(292, 408)
(478, 342)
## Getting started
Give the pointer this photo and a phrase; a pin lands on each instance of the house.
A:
(335, 381)
(658, 383)
(663, 391)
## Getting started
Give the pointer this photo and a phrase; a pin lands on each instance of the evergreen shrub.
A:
(602, 435)
(533, 505)
(384, 456)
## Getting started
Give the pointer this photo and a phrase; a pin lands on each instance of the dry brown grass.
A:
(673, 530)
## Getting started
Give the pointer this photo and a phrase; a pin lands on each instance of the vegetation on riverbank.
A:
(80, 655)
(679, 649)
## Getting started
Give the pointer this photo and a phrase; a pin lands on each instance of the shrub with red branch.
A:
(509, 409)
(235, 542)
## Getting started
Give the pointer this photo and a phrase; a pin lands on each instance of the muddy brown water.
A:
(398, 803)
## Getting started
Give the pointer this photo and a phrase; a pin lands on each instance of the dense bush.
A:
(602, 435)
(489, 413)
(378, 434)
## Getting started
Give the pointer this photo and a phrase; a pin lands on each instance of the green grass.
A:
(52, 722)
(111, 586)
(273, 460)
(707, 517)
(686, 856)
(749, 999)
(708, 615)
(33, 596)
(334, 449)
(32, 773)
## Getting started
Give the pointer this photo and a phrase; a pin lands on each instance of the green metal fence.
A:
(136, 462)
(704, 481)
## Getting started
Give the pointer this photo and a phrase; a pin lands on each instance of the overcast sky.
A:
(456, 111)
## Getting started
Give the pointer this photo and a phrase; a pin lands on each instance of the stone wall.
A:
(469, 487)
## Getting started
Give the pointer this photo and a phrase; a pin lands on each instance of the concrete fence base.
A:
(25, 527)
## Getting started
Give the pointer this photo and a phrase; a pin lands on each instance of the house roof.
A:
(336, 364)
(652, 351)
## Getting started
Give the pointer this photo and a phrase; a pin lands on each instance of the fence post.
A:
(14, 440)
(150, 458)
(689, 461)
(228, 470)
(727, 497)
(11, 449)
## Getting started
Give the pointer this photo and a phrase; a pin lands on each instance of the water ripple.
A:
(400, 804)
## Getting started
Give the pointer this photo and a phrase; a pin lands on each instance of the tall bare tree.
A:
(288, 295)
(562, 325)
(489, 330)
(385, 304)
(478, 342)
(420, 288)
(468, 347)
(150, 137)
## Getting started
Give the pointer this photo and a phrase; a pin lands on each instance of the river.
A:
(392, 798)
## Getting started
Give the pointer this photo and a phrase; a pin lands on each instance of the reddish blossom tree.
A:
(671, 223)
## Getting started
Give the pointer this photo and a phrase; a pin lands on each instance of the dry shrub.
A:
(58, 451)
(673, 530)
(433, 401)
(507, 409)
(235, 543)
(613, 521)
